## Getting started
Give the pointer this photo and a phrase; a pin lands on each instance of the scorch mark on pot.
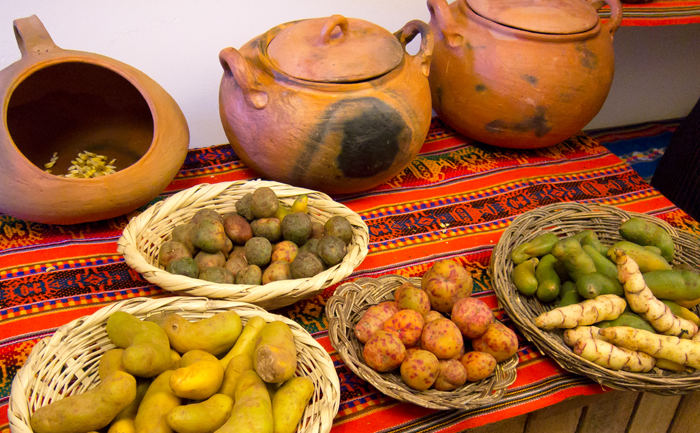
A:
(368, 132)
(537, 123)
(588, 58)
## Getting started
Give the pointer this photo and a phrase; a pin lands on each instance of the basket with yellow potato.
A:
(143, 237)
(74, 363)
(571, 330)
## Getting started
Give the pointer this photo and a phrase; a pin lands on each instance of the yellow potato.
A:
(124, 421)
(246, 341)
(110, 361)
(216, 334)
(252, 412)
(147, 349)
(234, 369)
(197, 381)
(275, 356)
(289, 402)
(154, 408)
(204, 417)
(91, 410)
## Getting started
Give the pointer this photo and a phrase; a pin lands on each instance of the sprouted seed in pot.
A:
(86, 165)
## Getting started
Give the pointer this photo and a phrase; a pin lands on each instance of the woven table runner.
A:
(658, 13)
(454, 201)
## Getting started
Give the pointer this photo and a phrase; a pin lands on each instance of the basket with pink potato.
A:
(373, 325)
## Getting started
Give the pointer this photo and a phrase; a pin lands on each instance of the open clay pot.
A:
(521, 73)
(331, 104)
(66, 102)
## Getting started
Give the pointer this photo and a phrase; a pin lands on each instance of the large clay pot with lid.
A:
(521, 73)
(332, 104)
(68, 102)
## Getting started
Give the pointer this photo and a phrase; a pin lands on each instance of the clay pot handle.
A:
(329, 25)
(32, 37)
(234, 63)
(615, 13)
(440, 11)
(425, 53)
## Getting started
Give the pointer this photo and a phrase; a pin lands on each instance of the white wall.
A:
(177, 44)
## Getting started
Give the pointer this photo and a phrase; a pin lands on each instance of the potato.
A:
(154, 408)
(247, 340)
(442, 337)
(235, 263)
(238, 364)
(252, 411)
(91, 410)
(195, 355)
(237, 228)
(284, 251)
(216, 274)
(384, 351)
(206, 214)
(216, 334)
(198, 380)
(147, 349)
(420, 370)
(498, 340)
(433, 315)
(203, 417)
(110, 361)
(275, 355)
(124, 421)
(289, 402)
(184, 233)
(478, 365)
(170, 251)
(408, 324)
(264, 202)
(472, 316)
(251, 274)
(451, 375)
(268, 228)
(205, 260)
(374, 319)
(306, 264)
(413, 298)
(446, 282)
(277, 271)
(210, 236)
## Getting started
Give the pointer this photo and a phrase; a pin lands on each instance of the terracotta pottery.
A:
(521, 73)
(332, 104)
(56, 100)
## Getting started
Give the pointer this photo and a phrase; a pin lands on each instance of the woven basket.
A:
(345, 308)
(66, 363)
(145, 233)
(566, 219)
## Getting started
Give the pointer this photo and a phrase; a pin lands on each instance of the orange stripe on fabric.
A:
(40, 322)
(58, 254)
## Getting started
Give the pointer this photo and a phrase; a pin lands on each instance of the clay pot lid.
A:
(335, 50)
(541, 16)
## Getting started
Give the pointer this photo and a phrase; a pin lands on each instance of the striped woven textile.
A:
(641, 146)
(658, 13)
(453, 201)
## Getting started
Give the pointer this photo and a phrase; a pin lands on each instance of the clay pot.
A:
(518, 73)
(68, 102)
(332, 104)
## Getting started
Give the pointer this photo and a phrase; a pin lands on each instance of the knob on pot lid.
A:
(541, 16)
(335, 50)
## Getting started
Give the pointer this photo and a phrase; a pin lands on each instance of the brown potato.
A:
(237, 228)
(442, 337)
(498, 340)
(472, 316)
(384, 351)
